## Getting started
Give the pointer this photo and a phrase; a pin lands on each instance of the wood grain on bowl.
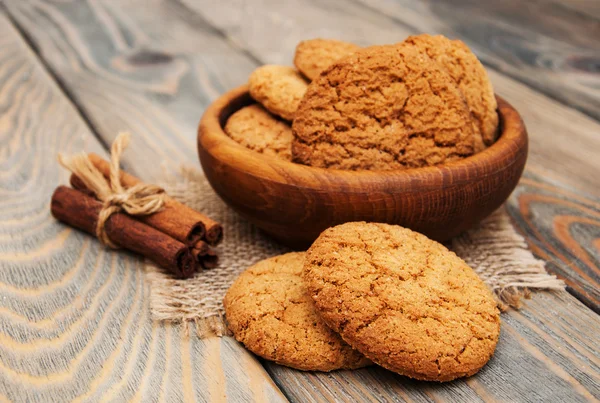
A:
(294, 203)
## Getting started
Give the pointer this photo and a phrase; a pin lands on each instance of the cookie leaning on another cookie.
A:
(270, 312)
(403, 300)
(470, 75)
(382, 108)
(278, 88)
(315, 55)
(256, 129)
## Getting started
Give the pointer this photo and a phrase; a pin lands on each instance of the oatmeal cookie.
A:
(315, 55)
(382, 108)
(278, 88)
(403, 300)
(255, 128)
(270, 312)
(470, 75)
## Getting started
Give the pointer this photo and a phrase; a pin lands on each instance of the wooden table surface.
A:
(75, 73)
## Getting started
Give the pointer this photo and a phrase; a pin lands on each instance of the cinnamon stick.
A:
(199, 250)
(176, 219)
(81, 211)
(210, 260)
(78, 184)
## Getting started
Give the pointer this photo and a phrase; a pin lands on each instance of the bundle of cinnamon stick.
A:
(177, 238)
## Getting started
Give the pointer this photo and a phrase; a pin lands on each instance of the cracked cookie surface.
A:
(470, 75)
(315, 55)
(268, 310)
(382, 108)
(278, 88)
(255, 128)
(403, 300)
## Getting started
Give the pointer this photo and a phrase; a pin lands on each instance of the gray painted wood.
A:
(547, 349)
(546, 44)
(540, 357)
(587, 8)
(74, 317)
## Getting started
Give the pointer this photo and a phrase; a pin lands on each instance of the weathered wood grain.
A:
(145, 62)
(74, 318)
(563, 141)
(556, 20)
(540, 356)
(568, 242)
(541, 43)
(587, 8)
(533, 341)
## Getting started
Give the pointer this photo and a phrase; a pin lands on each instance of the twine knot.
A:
(141, 199)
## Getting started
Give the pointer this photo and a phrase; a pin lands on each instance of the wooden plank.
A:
(549, 45)
(537, 340)
(532, 361)
(587, 8)
(541, 43)
(74, 317)
(155, 82)
(569, 240)
(563, 141)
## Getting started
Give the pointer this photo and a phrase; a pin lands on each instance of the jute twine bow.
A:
(141, 199)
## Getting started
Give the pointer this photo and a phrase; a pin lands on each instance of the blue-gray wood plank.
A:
(152, 67)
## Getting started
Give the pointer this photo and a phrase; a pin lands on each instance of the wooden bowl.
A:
(294, 202)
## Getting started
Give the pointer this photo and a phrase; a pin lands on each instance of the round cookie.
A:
(270, 312)
(382, 108)
(470, 75)
(258, 130)
(277, 88)
(315, 55)
(403, 300)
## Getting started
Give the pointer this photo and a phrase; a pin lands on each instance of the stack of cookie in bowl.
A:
(367, 293)
(425, 101)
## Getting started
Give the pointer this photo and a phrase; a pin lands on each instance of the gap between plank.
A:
(72, 99)
(484, 62)
(54, 76)
(218, 32)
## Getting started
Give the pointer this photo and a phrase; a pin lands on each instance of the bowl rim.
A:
(212, 139)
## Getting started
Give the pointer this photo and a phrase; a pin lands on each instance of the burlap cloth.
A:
(494, 249)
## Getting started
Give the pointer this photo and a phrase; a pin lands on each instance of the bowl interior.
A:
(241, 98)
(295, 202)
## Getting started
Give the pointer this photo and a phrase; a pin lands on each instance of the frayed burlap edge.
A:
(502, 259)
(494, 249)
(196, 303)
(176, 301)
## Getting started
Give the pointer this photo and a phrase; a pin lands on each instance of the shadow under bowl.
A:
(294, 203)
